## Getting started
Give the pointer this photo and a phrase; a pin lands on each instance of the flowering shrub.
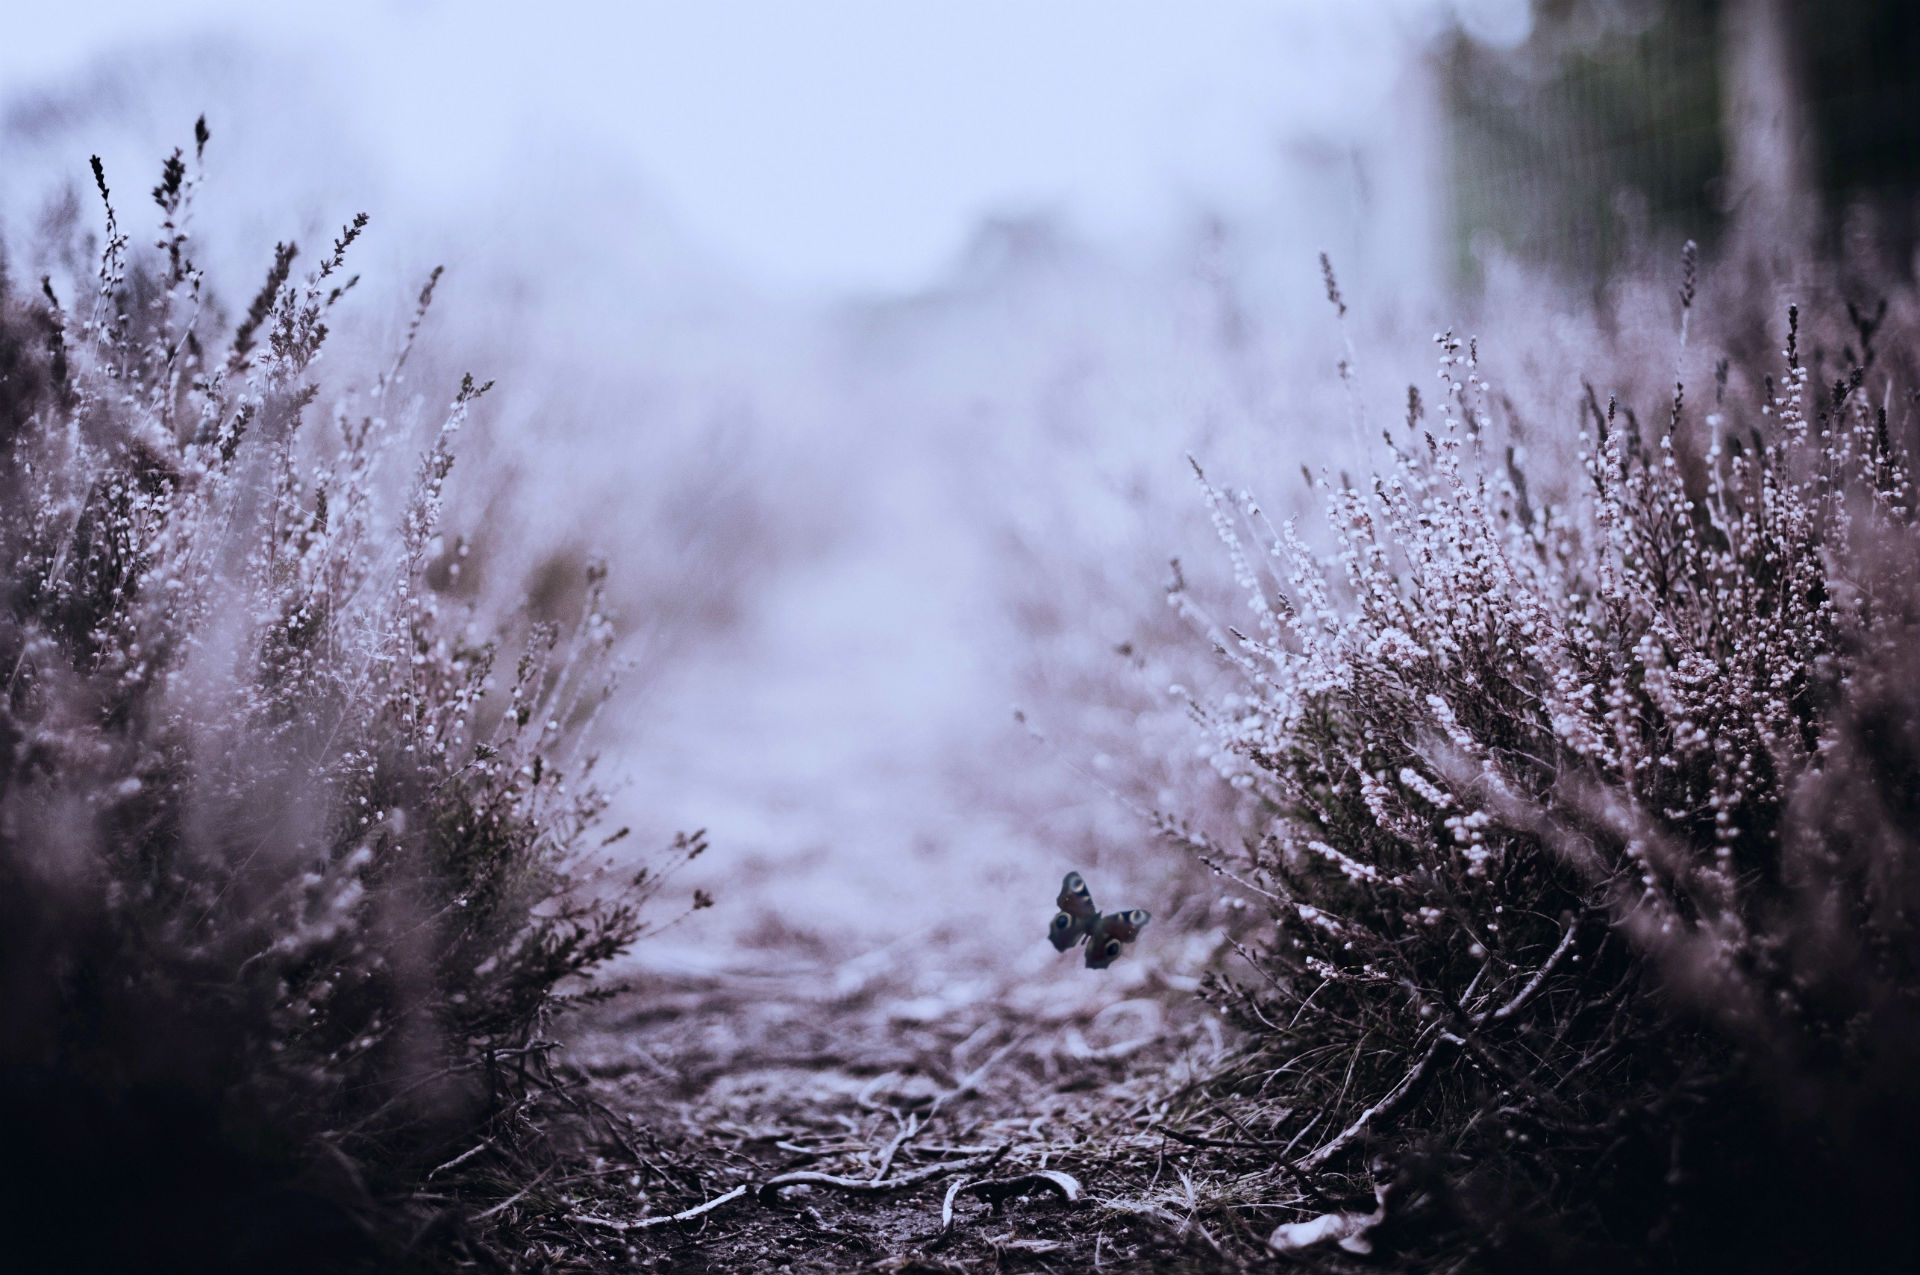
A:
(290, 875)
(1582, 812)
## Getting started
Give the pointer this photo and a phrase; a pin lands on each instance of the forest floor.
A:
(847, 1124)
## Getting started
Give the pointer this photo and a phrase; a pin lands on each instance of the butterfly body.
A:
(1079, 920)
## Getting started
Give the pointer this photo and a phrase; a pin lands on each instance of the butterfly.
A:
(1078, 919)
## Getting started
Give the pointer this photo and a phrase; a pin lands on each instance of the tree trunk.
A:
(1773, 193)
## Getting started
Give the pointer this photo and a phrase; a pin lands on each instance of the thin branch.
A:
(462, 1158)
(771, 1187)
(513, 1199)
(907, 1130)
(1385, 1107)
(685, 1215)
(946, 1205)
(1525, 994)
(996, 1189)
(1195, 1140)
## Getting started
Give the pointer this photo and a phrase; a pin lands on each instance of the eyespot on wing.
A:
(1075, 899)
(1065, 931)
(1102, 953)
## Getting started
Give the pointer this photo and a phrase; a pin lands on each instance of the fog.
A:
(866, 341)
(819, 148)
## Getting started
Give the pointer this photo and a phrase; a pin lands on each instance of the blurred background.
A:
(867, 342)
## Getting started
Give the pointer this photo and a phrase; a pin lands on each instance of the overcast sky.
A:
(831, 144)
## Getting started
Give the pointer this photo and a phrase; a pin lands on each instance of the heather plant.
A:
(296, 868)
(1579, 810)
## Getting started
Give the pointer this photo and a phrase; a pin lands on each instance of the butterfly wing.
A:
(1126, 926)
(1108, 933)
(1076, 916)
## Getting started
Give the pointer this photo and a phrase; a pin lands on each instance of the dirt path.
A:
(874, 997)
(734, 1082)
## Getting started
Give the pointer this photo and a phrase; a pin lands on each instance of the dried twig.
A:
(915, 1125)
(515, 1198)
(1195, 1140)
(996, 1189)
(460, 1159)
(946, 1205)
(770, 1189)
(907, 1130)
(1385, 1107)
(1533, 984)
(641, 1224)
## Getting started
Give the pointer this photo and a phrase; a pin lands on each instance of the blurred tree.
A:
(1617, 121)
(1862, 61)
(1769, 193)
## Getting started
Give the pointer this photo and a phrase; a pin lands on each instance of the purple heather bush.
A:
(1574, 788)
(294, 865)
